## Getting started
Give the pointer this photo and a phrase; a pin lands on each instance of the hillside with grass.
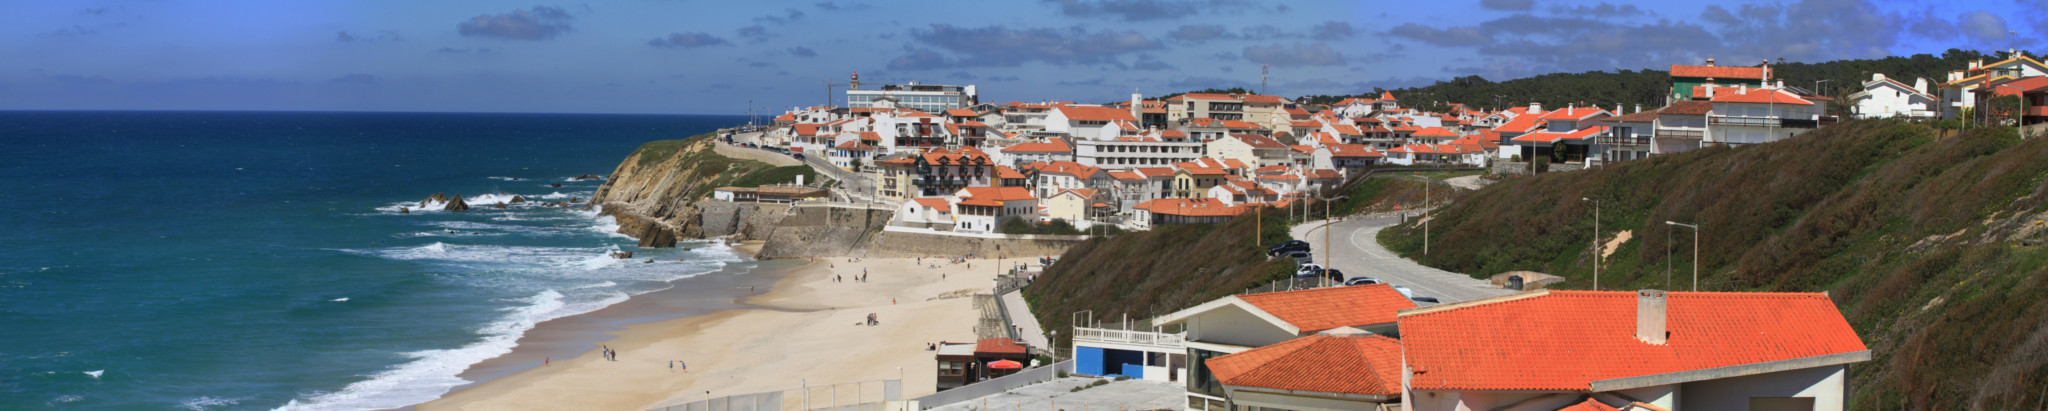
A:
(1930, 246)
(1143, 274)
(654, 191)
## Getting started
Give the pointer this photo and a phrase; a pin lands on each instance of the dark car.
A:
(799, 156)
(1431, 300)
(1287, 247)
(1336, 276)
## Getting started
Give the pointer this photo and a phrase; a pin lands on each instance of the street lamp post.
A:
(1695, 251)
(1329, 248)
(1596, 242)
(1425, 220)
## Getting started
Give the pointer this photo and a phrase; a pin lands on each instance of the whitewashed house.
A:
(1883, 97)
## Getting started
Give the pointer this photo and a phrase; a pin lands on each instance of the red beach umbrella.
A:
(1005, 365)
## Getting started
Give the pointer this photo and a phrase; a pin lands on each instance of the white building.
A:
(985, 209)
(1744, 115)
(1243, 322)
(1883, 97)
(922, 97)
(1091, 123)
(1959, 93)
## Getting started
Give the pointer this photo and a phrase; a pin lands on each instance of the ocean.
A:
(229, 260)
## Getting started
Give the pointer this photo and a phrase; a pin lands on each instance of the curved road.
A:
(1358, 254)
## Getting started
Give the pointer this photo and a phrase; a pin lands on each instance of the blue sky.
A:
(711, 57)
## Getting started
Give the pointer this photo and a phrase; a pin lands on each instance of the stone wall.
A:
(1522, 168)
(901, 244)
(822, 231)
(750, 221)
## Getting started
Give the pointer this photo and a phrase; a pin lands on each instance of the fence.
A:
(994, 386)
(865, 395)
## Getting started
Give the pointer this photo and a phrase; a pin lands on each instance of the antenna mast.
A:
(1263, 69)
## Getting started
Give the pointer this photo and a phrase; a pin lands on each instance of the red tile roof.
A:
(1548, 137)
(1573, 113)
(1007, 172)
(995, 196)
(1126, 175)
(1260, 98)
(1079, 113)
(1367, 365)
(1258, 141)
(1687, 108)
(1352, 150)
(998, 346)
(1052, 146)
(1435, 132)
(1190, 207)
(1173, 133)
(1332, 307)
(1202, 96)
(1718, 72)
(960, 112)
(1566, 340)
(805, 129)
(1750, 95)
(854, 145)
(1070, 168)
(1636, 117)
(935, 204)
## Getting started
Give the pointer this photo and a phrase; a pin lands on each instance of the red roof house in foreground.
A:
(1678, 351)
(1314, 372)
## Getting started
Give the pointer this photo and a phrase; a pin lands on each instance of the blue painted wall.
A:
(1088, 361)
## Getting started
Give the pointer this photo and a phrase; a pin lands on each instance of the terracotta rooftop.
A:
(1052, 146)
(998, 346)
(1190, 207)
(994, 196)
(935, 204)
(1325, 308)
(1718, 72)
(1750, 95)
(1366, 365)
(1079, 113)
(1687, 108)
(1567, 340)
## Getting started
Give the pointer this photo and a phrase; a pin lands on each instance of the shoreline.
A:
(801, 330)
(570, 336)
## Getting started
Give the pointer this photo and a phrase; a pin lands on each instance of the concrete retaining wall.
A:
(891, 244)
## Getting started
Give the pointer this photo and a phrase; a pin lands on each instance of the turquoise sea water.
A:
(203, 260)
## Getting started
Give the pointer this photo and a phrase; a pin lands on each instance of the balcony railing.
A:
(1128, 337)
(1623, 141)
(1670, 133)
(1742, 121)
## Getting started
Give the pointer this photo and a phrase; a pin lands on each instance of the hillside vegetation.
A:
(1155, 272)
(653, 192)
(1931, 247)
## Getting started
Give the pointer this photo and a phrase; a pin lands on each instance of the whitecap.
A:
(501, 178)
(554, 196)
(201, 403)
(95, 373)
(607, 283)
(65, 399)
(431, 373)
(342, 299)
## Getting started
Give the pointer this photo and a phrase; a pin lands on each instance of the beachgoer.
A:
(671, 365)
(546, 361)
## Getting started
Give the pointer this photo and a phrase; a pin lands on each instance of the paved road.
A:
(1020, 316)
(1358, 254)
(765, 156)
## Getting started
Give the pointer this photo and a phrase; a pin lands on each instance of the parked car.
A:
(1287, 247)
(1336, 276)
(1431, 300)
(1362, 281)
(1405, 292)
(799, 156)
(1306, 270)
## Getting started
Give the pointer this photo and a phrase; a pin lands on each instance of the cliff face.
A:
(652, 193)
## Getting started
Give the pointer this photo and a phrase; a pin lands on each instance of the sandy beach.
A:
(806, 329)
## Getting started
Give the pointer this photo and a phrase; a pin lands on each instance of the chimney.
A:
(1767, 69)
(1650, 316)
(1710, 62)
(1710, 92)
(1617, 109)
(1639, 107)
(1535, 108)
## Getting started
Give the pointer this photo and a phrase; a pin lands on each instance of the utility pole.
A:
(1695, 251)
(1425, 219)
(1329, 224)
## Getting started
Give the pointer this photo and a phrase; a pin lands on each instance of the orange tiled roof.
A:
(1150, 172)
(995, 196)
(1332, 307)
(1258, 141)
(1718, 72)
(806, 129)
(1126, 175)
(1352, 150)
(1547, 137)
(1368, 365)
(1007, 172)
(998, 345)
(1070, 168)
(1053, 146)
(1190, 207)
(1240, 124)
(935, 204)
(1173, 133)
(1750, 95)
(1565, 340)
(960, 112)
(1572, 113)
(1687, 108)
(1435, 132)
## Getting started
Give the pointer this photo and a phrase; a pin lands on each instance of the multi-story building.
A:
(1135, 151)
(923, 97)
(1628, 139)
(1959, 93)
(942, 171)
(1091, 122)
(1251, 149)
(1204, 105)
(1681, 127)
(1684, 78)
(1744, 115)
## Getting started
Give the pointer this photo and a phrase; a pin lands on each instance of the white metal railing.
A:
(1128, 337)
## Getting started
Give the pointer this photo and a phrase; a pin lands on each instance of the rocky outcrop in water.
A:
(455, 204)
(518, 199)
(588, 177)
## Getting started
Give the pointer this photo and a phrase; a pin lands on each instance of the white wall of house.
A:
(1068, 206)
(1823, 384)
(1234, 326)
(1125, 154)
(1887, 99)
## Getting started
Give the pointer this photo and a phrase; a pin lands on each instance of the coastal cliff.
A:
(658, 193)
